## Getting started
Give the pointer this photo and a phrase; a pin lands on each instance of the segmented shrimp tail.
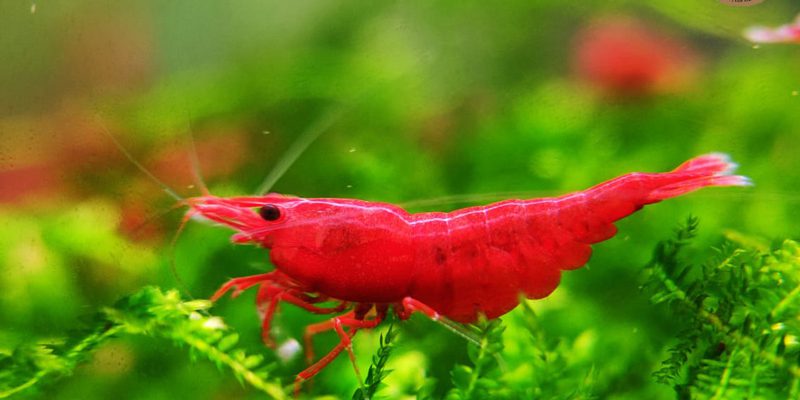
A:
(714, 169)
(622, 196)
(564, 228)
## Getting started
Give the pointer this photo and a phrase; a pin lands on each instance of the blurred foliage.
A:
(440, 105)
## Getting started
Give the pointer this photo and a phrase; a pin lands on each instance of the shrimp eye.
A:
(269, 212)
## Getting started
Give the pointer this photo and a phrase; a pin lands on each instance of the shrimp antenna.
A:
(471, 198)
(298, 147)
(197, 173)
(152, 217)
(166, 189)
(138, 165)
(172, 268)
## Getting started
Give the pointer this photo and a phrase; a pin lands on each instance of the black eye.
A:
(269, 212)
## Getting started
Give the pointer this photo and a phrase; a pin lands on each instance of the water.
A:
(433, 106)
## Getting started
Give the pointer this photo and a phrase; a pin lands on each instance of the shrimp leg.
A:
(410, 305)
(314, 329)
(267, 292)
(353, 317)
(353, 320)
(272, 294)
(274, 288)
(241, 284)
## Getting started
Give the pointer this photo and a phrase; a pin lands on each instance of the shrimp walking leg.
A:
(410, 305)
(353, 320)
(240, 284)
(274, 288)
(273, 294)
(268, 314)
(314, 329)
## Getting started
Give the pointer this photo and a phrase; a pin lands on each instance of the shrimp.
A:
(370, 257)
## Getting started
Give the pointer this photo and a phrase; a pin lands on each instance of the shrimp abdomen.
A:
(477, 260)
(560, 231)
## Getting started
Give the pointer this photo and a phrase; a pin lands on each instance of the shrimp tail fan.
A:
(715, 169)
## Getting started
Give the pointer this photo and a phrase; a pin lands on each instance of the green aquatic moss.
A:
(735, 316)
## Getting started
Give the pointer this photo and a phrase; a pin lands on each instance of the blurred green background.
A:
(477, 100)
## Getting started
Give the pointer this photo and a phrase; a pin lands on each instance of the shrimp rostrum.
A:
(369, 258)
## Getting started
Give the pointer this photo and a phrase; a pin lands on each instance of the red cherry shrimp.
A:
(370, 258)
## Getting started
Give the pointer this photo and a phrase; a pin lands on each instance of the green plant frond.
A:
(150, 312)
(552, 375)
(377, 371)
(739, 311)
(480, 380)
(738, 336)
(32, 365)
